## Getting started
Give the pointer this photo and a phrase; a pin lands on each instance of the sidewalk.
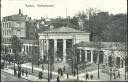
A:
(30, 77)
(35, 78)
(62, 78)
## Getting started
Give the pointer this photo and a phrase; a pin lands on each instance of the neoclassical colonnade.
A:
(91, 56)
(60, 37)
(58, 47)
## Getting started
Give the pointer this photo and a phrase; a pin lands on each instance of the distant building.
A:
(31, 29)
(13, 25)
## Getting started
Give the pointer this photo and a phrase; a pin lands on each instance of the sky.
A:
(61, 8)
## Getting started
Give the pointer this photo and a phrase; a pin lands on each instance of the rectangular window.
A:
(18, 32)
(5, 25)
(88, 55)
(24, 48)
(9, 24)
(3, 32)
(83, 55)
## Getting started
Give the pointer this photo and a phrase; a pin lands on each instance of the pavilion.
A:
(58, 40)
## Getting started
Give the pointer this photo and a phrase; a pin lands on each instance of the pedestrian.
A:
(23, 72)
(19, 74)
(42, 67)
(58, 71)
(118, 75)
(58, 79)
(14, 71)
(26, 73)
(7, 67)
(2, 65)
(64, 68)
(74, 73)
(41, 74)
(61, 73)
(67, 75)
(91, 77)
(87, 76)
(114, 75)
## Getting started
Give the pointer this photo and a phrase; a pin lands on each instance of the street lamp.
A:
(74, 37)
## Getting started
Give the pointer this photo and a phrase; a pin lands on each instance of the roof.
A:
(108, 45)
(63, 30)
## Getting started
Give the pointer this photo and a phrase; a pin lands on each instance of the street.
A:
(5, 77)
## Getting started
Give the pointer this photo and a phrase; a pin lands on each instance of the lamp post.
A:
(74, 37)
(98, 66)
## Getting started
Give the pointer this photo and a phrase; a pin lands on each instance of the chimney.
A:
(19, 11)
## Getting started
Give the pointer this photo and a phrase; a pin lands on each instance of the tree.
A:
(71, 56)
(117, 28)
(36, 38)
(16, 45)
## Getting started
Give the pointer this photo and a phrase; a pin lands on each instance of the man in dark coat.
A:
(23, 72)
(64, 68)
(74, 73)
(58, 79)
(67, 75)
(26, 73)
(91, 77)
(87, 76)
(61, 73)
(118, 75)
(42, 67)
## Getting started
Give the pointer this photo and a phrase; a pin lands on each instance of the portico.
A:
(57, 41)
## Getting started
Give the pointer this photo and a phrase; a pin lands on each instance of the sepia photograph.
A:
(64, 40)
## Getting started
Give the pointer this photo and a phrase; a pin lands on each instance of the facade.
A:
(31, 29)
(58, 40)
(110, 53)
(27, 48)
(13, 25)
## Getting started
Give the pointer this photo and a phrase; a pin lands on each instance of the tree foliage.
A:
(108, 26)
(16, 45)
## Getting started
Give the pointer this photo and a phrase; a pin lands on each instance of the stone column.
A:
(80, 55)
(85, 55)
(47, 45)
(42, 48)
(55, 49)
(91, 56)
(28, 48)
(64, 49)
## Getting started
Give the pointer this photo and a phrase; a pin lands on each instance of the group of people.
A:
(22, 72)
(87, 76)
(2, 65)
(116, 75)
(60, 71)
(40, 75)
